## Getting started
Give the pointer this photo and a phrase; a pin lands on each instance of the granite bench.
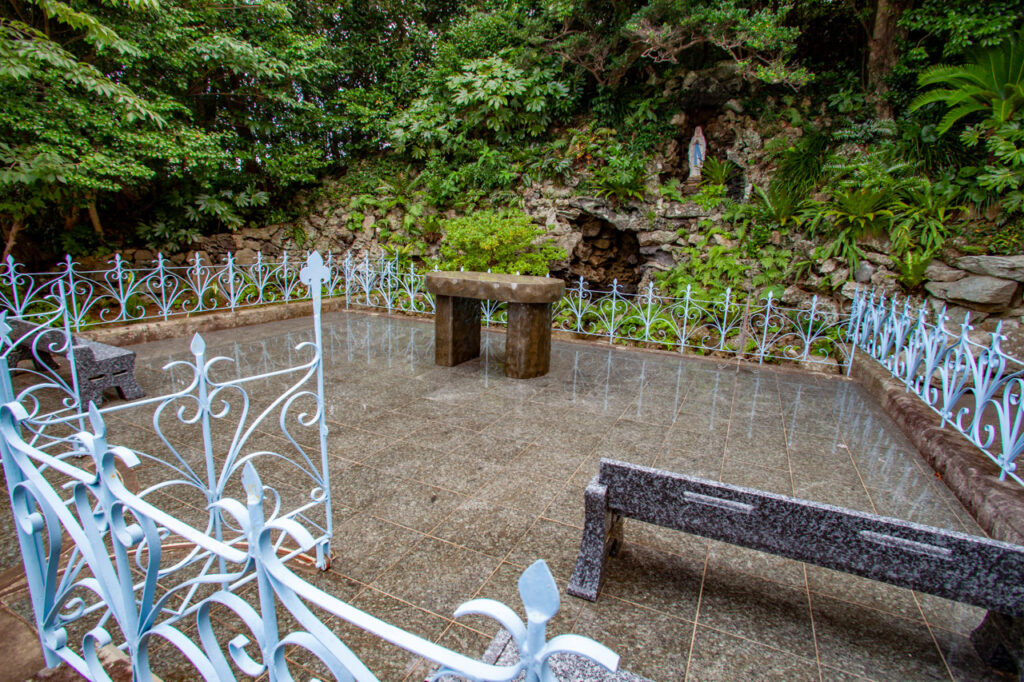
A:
(966, 568)
(98, 366)
(457, 318)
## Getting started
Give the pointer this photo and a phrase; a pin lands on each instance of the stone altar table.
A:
(457, 318)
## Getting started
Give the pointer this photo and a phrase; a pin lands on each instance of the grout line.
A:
(707, 548)
(696, 613)
(803, 566)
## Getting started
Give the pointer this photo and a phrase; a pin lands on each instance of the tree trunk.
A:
(94, 217)
(12, 236)
(882, 51)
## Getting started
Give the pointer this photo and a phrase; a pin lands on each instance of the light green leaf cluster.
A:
(497, 241)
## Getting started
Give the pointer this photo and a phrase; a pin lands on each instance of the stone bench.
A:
(457, 318)
(966, 568)
(98, 366)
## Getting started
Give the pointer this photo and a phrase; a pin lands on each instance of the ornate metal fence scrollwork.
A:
(971, 384)
(733, 324)
(728, 325)
(113, 564)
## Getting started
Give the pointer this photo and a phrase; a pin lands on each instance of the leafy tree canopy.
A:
(153, 121)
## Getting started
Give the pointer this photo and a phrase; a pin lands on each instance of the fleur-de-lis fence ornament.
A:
(973, 387)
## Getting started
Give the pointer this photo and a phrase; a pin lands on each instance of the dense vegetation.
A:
(153, 121)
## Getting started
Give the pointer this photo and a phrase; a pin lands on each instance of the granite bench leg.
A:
(96, 374)
(528, 344)
(456, 330)
(602, 535)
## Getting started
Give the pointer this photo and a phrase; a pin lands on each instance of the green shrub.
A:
(500, 242)
(622, 176)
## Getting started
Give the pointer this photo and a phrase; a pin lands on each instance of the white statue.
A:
(698, 152)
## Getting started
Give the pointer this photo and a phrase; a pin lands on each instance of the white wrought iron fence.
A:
(974, 387)
(107, 564)
(759, 329)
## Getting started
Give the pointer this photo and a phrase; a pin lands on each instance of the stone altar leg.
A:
(528, 345)
(456, 330)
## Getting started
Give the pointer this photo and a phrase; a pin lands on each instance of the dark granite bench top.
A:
(495, 287)
(102, 351)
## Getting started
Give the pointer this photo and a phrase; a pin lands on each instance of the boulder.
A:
(1004, 267)
(722, 240)
(676, 210)
(864, 272)
(850, 289)
(829, 266)
(659, 260)
(937, 271)
(884, 281)
(879, 259)
(144, 257)
(624, 218)
(989, 294)
(657, 237)
(839, 276)
(958, 315)
(795, 297)
(734, 106)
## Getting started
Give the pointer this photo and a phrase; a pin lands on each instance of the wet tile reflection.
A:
(448, 480)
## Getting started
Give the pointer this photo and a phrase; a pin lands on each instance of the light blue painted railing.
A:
(108, 565)
(733, 325)
(974, 387)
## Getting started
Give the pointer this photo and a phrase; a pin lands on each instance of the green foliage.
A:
(1003, 174)
(159, 119)
(709, 269)
(672, 190)
(710, 196)
(621, 177)
(717, 172)
(1008, 239)
(849, 216)
(502, 98)
(773, 264)
(500, 242)
(990, 84)
(911, 265)
(134, 121)
(757, 39)
(925, 217)
(989, 87)
(802, 165)
(781, 205)
(957, 26)
(166, 237)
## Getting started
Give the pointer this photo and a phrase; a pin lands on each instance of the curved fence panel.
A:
(972, 384)
(733, 324)
(198, 535)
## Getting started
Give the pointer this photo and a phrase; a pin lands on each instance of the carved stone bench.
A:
(98, 366)
(957, 566)
(457, 318)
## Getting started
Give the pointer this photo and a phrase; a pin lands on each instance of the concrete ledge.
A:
(997, 506)
(181, 325)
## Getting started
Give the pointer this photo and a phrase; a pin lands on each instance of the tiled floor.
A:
(448, 482)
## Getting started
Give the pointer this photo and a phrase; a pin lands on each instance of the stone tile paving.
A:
(448, 482)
